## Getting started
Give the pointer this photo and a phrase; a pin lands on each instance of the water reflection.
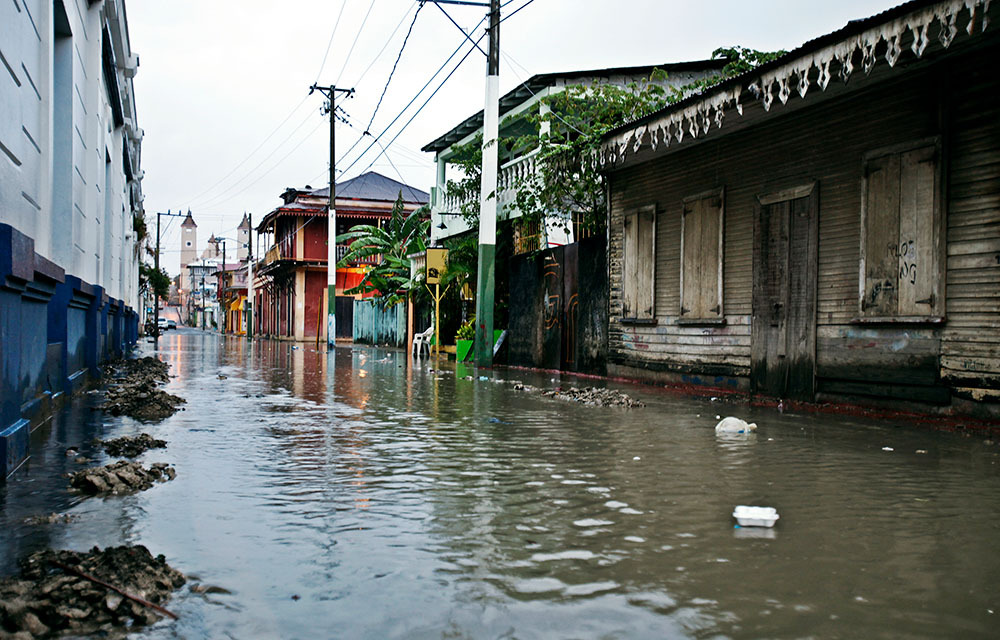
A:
(400, 499)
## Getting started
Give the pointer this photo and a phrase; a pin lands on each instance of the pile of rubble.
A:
(96, 592)
(120, 478)
(593, 396)
(132, 390)
(131, 446)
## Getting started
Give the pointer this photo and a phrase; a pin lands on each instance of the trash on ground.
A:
(132, 390)
(593, 396)
(748, 516)
(120, 478)
(483, 378)
(86, 593)
(887, 449)
(921, 450)
(131, 446)
(734, 425)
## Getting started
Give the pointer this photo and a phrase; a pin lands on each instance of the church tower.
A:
(243, 239)
(189, 253)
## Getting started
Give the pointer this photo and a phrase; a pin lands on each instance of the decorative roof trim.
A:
(696, 115)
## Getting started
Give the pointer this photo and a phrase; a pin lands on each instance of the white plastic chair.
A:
(422, 341)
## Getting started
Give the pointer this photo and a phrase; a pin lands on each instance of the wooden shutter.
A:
(881, 235)
(711, 258)
(701, 262)
(638, 263)
(630, 265)
(917, 267)
(645, 262)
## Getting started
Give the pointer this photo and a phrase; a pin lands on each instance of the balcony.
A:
(511, 173)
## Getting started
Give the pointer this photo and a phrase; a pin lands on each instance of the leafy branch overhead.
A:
(401, 235)
(566, 179)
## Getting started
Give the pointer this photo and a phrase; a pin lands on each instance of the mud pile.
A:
(131, 446)
(593, 396)
(51, 595)
(120, 478)
(132, 390)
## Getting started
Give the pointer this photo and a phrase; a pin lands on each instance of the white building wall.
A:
(57, 133)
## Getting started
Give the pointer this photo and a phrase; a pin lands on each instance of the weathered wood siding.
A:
(970, 341)
(827, 143)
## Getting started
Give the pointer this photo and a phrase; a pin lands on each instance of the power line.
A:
(394, 65)
(329, 44)
(214, 200)
(250, 155)
(409, 8)
(353, 44)
(273, 167)
(421, 108)
(414, 99)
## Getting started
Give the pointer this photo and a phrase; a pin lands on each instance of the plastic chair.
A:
(422, 341)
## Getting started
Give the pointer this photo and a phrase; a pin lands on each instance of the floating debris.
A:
(52, 518)
(85, 593)
(120, 478)
(131, 446)
(593, 396)
(734, 425)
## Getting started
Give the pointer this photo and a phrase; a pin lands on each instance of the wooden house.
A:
(825, 227)
(290, 278)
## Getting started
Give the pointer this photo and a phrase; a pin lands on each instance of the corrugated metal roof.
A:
(374, 186)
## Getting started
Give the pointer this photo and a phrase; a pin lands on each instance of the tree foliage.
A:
(567, 179)
(156, 281)
(402, 234)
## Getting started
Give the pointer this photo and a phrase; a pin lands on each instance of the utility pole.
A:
(202, 296)
(488, 199)
(222, 303)
(156, 265)
(250, 291)
(331, 223)
(486, 278)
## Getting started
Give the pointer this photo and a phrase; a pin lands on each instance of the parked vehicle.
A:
(171, 324)
(162, 324)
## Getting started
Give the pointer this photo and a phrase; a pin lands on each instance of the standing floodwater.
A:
(353, 495)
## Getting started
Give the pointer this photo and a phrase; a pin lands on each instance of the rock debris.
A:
(120, 478)
(46, 600)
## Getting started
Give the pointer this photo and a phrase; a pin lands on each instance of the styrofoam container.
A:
(748, 516)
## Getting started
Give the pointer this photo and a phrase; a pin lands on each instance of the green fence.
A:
(374, 325)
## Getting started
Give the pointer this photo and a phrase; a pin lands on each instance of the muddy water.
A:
(351, 495)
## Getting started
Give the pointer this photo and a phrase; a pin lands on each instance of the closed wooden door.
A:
(783, 332)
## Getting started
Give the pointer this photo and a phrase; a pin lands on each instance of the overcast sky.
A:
(222, 89)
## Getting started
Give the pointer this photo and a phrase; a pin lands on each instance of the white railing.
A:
(510, 175)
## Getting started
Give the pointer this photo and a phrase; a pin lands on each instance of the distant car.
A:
(171, 324)
(162, 324)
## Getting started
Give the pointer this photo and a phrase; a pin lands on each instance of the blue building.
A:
(71, 215)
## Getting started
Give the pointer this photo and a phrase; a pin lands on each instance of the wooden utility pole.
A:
(222, 304)
(331, 228)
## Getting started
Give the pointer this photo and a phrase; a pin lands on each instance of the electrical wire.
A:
(414, 99)
(273, 167)
(330, 43)
(250, 155)
(215, 199)
(394, 65)
(353, 44)
(421, 108)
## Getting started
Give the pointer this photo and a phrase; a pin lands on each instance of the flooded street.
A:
(351, 495)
